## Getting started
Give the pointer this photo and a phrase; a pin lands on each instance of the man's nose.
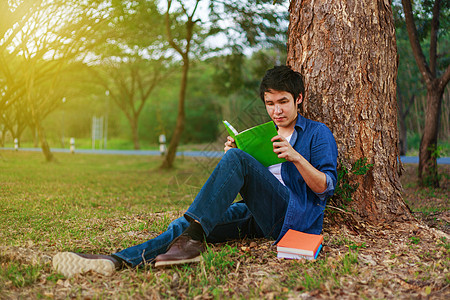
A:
(277, 108)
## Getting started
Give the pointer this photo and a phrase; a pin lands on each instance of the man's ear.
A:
(299, 99)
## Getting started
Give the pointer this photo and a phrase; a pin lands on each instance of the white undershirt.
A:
(276, 169)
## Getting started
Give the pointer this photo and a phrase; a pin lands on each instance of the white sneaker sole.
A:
(69, 264)
(178, 262)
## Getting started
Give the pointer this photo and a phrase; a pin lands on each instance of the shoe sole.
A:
(69, 264)
(178, 262)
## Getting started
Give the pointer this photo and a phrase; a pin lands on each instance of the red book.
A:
(297, 242)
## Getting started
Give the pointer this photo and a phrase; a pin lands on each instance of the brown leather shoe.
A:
(69, 263)
(181, 251)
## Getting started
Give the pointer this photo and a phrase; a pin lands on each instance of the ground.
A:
(429, 205)
(364, 261)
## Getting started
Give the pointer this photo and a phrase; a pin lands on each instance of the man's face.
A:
(281, 107)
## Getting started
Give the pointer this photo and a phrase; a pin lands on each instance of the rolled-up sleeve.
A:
(328, 191)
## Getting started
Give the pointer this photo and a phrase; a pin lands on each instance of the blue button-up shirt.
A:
(315, 142)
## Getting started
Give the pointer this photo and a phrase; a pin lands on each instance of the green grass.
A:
(102, 204)
(310, 276)
(86, 194)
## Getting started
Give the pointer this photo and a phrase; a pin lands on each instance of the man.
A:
(288, 195)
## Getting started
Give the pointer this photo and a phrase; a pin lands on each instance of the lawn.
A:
(101, 204)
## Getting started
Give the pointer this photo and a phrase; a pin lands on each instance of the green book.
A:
(256, 142)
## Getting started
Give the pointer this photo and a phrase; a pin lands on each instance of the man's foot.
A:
(182, 250)
(69, 263)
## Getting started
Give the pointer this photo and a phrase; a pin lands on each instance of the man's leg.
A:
(69, 263)
(147, 251)
(237, 223)
(266, 198)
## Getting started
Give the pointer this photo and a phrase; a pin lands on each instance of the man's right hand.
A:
(230, 143)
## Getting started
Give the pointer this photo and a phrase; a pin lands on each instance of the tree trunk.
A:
(2, 138)
(346, 51)
(179, 128)
(428, 152)
(44, 145)
(134, 132)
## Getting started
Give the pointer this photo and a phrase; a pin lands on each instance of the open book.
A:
(256, 142)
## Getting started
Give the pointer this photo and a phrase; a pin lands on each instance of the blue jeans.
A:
(260, 213)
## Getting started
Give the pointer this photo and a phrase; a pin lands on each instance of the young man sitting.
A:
(290, 195)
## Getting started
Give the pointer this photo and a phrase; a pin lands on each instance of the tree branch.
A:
(169, 31)
(433, 36)
(445, 78)
(415, 45)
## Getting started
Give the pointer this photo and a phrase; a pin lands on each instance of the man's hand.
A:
(284, 150)
(316, 180)
(230, 143)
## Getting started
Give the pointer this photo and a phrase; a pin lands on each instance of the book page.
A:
(229, 126)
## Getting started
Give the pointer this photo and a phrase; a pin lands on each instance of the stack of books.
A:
(299, 245)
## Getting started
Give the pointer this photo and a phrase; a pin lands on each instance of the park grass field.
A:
(102, 204)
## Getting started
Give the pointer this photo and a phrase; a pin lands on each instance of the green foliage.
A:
(444, 243)
(414, 240)
(220, 261)
(344, 187)
(354, 246)
(21, 275)
(432, 178)
(435, 151)
(259, 23)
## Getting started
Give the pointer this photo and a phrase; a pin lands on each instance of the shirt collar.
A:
(301, 122)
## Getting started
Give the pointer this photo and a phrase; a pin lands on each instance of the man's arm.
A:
(315, 179)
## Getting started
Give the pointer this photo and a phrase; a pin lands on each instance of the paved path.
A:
(211, 154)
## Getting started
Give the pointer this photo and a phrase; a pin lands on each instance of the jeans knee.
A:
(234, 154)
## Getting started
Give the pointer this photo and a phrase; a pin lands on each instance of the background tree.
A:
(244, 23)
(435, 83)
(134, 59)
(45, 46)
(347, 54)
(181, 43)
(409, 85)
(130, 85)
(13, 16)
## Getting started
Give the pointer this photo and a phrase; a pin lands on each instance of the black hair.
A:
(282, 78)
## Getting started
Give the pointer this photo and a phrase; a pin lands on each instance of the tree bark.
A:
(346, 51)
